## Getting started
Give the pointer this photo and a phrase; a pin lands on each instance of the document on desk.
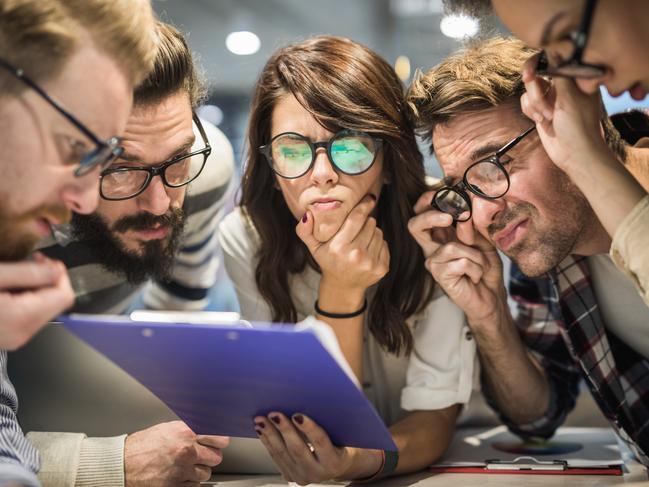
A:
(218, 376)
(588, 451)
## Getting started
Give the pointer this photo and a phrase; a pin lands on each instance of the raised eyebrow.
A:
(547, 30)
(484, 151)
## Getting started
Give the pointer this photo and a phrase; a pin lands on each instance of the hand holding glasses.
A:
(122, 183)
(486, 178)
(292, 155)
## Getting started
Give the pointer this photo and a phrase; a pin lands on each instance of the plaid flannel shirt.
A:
(560, 322)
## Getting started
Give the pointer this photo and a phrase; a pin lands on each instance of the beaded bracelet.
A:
(340, 316)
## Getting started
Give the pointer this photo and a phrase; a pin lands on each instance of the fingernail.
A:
(275, 419)
(304, 218)
(298, 418)
(260, 425)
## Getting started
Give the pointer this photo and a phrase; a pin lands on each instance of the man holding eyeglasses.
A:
(587, 44)
(161, 202)
(578, 316)
(66, 82)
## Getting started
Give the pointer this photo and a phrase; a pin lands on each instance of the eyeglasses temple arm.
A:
(584, 28)
(511, 144)
(18, 73)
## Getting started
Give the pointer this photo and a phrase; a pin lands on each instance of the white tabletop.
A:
(635, 475)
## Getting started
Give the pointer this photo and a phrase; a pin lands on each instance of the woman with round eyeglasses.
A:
(331, 177)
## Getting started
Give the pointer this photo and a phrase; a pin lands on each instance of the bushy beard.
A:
(156, 257)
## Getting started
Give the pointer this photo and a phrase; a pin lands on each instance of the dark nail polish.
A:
(304, 218)
(275, 419)
(299, 419)
(260, 425)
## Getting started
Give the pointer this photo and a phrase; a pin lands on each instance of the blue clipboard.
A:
(218, 378)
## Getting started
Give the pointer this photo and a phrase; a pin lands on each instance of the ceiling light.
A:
(459, 26)
(402, 68)
(211, 113)
(242, 43)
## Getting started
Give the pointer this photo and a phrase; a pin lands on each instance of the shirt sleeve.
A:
(196, 264)
(629, 247)
(542, 334)
(18, 457)
(441, 368)
(74, 460)
(12, 474)
(239, 248)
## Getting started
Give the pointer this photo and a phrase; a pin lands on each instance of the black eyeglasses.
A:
(575, 67)
(486, 178)
(103, 155)
(291, 155)
(122, 183)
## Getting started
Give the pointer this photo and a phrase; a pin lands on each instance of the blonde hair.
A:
(39, 36)
(486, 74)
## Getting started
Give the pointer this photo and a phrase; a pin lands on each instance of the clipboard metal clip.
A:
(526, 463)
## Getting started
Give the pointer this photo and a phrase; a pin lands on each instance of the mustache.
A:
(145, 221)
(521, 209)
(58, 213)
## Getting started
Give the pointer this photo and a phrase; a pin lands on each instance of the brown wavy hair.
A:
(344, 85)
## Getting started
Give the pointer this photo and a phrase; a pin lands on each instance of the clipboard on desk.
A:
(217, 376)
(572, 451)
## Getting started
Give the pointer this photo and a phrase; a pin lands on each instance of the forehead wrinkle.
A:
(134, 157)
(457, 148)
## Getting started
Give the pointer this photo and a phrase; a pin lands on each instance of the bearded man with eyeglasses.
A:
(507, 189)
(66, 81)
(160, 202)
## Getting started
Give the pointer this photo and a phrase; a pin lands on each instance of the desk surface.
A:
(635, 476)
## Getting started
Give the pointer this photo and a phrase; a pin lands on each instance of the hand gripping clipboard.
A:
(216, 377)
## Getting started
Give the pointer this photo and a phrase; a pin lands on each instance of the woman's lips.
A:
(326, 205)
(509, 237)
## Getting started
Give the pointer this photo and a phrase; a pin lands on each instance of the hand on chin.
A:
(326, 225)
